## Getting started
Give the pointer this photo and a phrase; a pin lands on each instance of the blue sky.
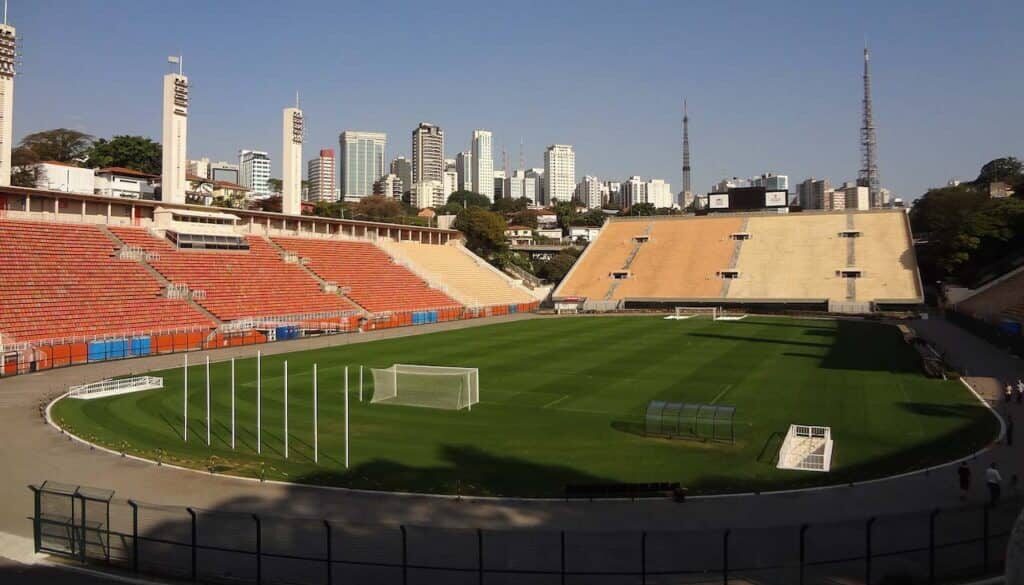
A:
(771, 86)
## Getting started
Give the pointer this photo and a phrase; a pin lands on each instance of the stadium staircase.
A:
(637, 244)
(159, 277)
(323, 282)
(239, 284)
(64, 280)
(736, 250)
(369, 275)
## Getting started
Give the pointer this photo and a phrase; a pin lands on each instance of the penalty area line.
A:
(555, 401)
(721, 394)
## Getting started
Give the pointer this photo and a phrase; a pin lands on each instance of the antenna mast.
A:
(868, 176)
(686, 151)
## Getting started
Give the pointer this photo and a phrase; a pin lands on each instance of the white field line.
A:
(555, 401)
(724, 391)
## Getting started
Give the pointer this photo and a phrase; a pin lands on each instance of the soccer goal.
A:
(806, 447)
(691, 312)
(447, 388)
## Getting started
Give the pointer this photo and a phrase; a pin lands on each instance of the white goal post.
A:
(444, 387)
(690, 312)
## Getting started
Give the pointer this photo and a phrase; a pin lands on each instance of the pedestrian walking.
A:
(995, 483)
(1020, 390)
(964, 474)
(1009, 393)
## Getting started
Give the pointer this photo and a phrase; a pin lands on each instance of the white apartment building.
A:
(591, 192)
(362, 162)
(428, 194)
(659, 194)
(322, 174)
(65, 177)
(390, 185)
(427, 153)
(522, 184)
(500, 181)
(464, 168)
(126, 183)
(483, 163)
(559, 173)
(450, 182)
(254, 171)
(636, 190)
(402, 167)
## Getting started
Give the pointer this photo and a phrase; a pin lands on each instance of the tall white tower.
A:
(175, 135)
(8, 46)
(291, 161)
(483, 164)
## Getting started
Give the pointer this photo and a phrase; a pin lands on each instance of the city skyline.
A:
(923, 140)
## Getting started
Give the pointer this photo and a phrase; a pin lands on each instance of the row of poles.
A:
(259, 407)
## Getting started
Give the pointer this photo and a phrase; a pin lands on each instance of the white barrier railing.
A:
(105, 388)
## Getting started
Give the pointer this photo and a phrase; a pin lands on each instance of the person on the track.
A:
(964, 474)
(995, 483)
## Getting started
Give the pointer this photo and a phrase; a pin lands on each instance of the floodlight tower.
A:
(175, 134)
(868, 175)
(8, 55)
(292, 131)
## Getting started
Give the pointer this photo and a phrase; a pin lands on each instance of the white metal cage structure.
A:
(443, 387)
(690, 312)
(806, 448)
(105, 388)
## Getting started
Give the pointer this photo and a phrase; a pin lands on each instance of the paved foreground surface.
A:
(33, 452)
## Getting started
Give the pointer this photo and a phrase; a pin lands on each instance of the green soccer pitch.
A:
(553, 396)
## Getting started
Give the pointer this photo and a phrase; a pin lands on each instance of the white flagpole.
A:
(285, 409)
(232, 404)
(316, 429)
(207, 401)
(346, 417)
(259, 382)
(360, 383)
(186, 398)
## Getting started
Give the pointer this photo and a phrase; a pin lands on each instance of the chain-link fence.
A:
(226, 546)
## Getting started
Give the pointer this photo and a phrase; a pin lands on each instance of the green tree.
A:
(24, 169)
(525, 218)
(132, 152)
(640, 209)
(377, 207)
(469, 199)
(275, 185)
(484, 231)
(592, 218)
(335, 209)
(60, 144)
(1008, 169)
(558, 266)
(565, 211)
(508, 205)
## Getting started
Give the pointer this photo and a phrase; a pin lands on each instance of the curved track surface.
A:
(33, 452)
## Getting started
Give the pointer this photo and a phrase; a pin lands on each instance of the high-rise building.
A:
(174, 165)
(390, 185)
(8, 48)
(559, 173)
(483, 164)
(402, 167)
(464, 168)
(536, 175)
(254, 171)
(292, 133)
(322, 174)
(500, 192)
(427, 153)
(523, 183)
(450, 182)
(810, 194)
(636, 190)
(591, 192)
(362, 162)
(659, 194)
(614, 192)
(427, 194)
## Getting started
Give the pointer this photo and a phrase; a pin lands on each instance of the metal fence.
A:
(221, 546)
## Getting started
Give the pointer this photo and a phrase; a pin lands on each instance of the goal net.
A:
(806, 447)
(690, 312)
(447, 388)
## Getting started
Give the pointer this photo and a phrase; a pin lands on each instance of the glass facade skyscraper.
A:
(363, 156)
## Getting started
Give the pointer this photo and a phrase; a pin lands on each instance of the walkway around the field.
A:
(33, 452)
